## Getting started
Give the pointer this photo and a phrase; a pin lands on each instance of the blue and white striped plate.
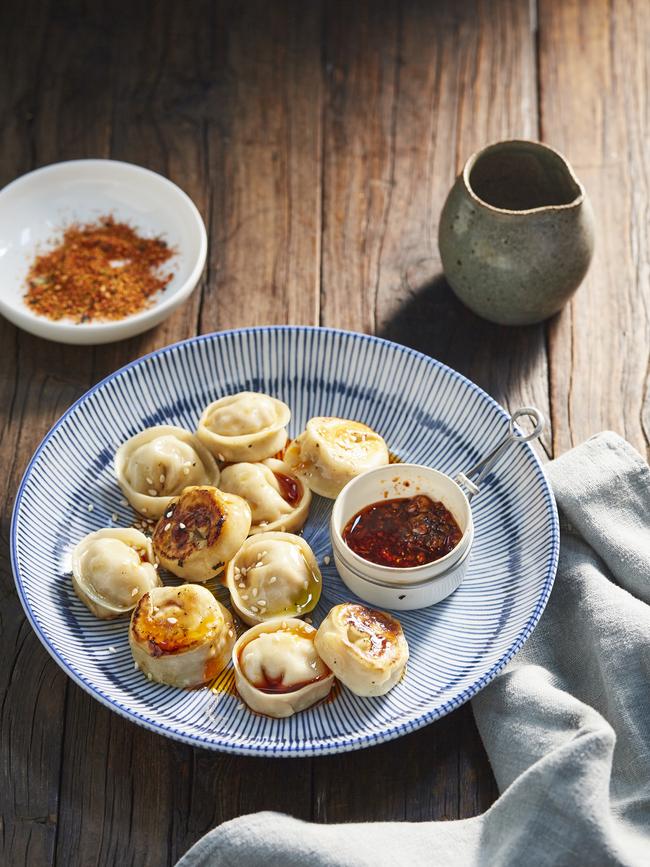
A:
(427, 413)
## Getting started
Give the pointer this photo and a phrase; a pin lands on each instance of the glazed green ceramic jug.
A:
(516, 233)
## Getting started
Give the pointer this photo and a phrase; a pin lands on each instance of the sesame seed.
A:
(134, 592)
(149, 676)
(155, 565)
(181, 525)
(152, 492)
(305, 584)
(230, 633)
(186, 471)
(273, 579)
(90, 507)
(135, 666)
(162, 478)
(172, 620)
(124, 501)
(254, 609)
(114, 517)
(254, 591)
(326, 560)
(262, 602)
(241, 585)
(240, 706)
(245, 598)
(221, 457)
(167, 527)
(144, 509)
(149, 481)
(169, 513)
(111, 649)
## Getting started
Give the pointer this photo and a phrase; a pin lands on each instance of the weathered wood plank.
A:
(263, 148)
(39, 382)
(595, 107)
(411, 90)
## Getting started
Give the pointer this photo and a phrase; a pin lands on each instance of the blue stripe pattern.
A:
(428, 414)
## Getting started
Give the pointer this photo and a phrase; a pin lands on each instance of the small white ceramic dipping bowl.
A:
(36, 207)
(385, 586)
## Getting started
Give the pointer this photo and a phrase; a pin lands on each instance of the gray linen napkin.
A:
(566, 725)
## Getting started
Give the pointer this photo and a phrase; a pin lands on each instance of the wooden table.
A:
(319, 141)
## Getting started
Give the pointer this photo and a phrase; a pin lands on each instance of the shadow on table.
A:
(498, 358)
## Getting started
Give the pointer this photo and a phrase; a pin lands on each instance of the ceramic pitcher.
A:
(516, 233)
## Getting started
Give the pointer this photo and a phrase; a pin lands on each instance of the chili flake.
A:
(101, 270)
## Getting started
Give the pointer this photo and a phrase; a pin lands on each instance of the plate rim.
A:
(272, 750)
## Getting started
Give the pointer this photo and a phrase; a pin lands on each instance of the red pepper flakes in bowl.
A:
(101, 270)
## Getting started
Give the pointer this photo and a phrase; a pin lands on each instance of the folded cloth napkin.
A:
(566, 725)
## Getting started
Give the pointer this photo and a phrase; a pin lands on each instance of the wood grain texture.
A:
(595, 107)
(262, 146)
(318, 141)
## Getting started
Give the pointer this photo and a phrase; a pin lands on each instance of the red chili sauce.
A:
(290, 489)
(404, 532)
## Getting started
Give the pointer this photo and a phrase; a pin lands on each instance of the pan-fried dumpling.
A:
(112, 569)
(273, 575)
(277, 669)
(158, 463)
(332, 451)
(200, 531)
(181, 636)
(278, 499)
(366, 649)
(244, 427)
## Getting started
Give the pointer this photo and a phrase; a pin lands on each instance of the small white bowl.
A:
(35, 207)
(397, 588)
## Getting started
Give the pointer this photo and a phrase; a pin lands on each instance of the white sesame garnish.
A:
(90, 507)
(263, 524)
(241, 585)
(169, 513)
(135, 666)
(114, 517)
(254, 591)
(162, 479)
(167, 527)
(181, 525)
(261, 602)
(186, 471)
(221, 457)
(172, 620)
(152, 492)
(241, 706)
(305, 584)
(149, 481)
(155, 565)
(326, 560)
(254, 609)
(111, 649)
(273, 579)
(230, 633)
(245, 598)
(149, 676)
(124, 501)
(134, 592)
(144, 509)
(307, 619)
